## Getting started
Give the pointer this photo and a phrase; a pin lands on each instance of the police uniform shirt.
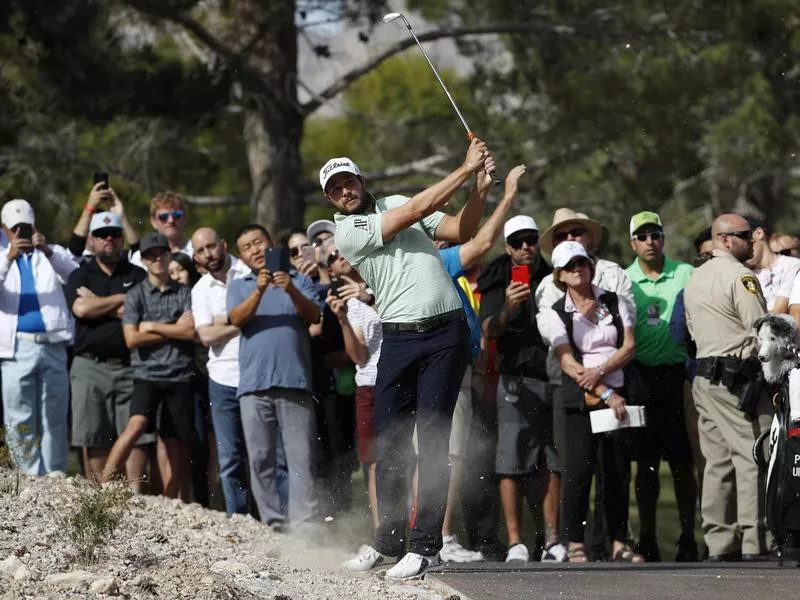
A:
(102, 336)
(723, 300)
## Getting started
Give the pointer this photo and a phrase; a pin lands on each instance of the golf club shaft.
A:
(470, 133)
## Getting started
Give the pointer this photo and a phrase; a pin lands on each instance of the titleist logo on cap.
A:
(336, 165)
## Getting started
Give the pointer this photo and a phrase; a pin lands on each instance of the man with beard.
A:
(101, 376)
(425, 348)
(657, 281)
(222, 340)
(723, 300)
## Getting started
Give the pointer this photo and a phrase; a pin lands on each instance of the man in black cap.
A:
(158, 327)
(101, 377)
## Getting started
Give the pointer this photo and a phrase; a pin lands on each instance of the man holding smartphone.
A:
(526, 459)
(272, 309)
(35, 329)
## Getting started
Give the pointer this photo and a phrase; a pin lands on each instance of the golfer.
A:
(425, 342)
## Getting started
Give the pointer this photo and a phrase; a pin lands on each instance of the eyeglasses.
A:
(107, 232)
(653, 235)
(575, 264)
(742, 235)
(563, 236)
(176, 215)
(516, 242)
(295, 252)
(333, 257)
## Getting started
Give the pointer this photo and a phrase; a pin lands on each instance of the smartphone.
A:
(101, 176)
(308, 254)
(278, 259)
(520, 273)
(24, 231)
(335, 285)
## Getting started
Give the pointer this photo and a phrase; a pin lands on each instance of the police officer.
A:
(723, 300)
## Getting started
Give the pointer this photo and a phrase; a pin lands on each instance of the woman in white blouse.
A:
(592, 336)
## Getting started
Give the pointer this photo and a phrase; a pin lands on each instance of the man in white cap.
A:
(35, 328)
(101, 376)
(526, 461)
(320, 230)
(425, 342)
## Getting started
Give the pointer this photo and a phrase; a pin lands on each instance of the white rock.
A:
(231, 566)
(74, 579)
(207, 580)
(57, 475)
(23, 573)
(105, 585)
(10, 565)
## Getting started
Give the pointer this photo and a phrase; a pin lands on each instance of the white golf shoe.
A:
(412, 566)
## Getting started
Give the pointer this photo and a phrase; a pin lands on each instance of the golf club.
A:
(396, 15)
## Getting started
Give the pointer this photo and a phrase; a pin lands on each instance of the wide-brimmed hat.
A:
(567, 216)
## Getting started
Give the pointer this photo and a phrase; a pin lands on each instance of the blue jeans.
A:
(35, 405)
(231, 452)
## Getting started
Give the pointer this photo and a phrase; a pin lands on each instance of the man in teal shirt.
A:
(425, 348)
(656, 281)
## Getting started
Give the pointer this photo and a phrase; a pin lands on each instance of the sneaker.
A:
(452, 551)
(367, 558)
(555, 553)
(412, 566)
(518, 552)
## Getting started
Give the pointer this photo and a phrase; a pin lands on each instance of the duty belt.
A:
(427, 324)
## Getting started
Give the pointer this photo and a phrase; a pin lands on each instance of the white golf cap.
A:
(320, 226)
(334, 166)
(105, 219)
(17, 211)
(519, 223)
(566, 251)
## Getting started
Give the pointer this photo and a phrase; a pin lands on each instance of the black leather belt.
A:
(709, 368)
(109, 360)
(429, 323)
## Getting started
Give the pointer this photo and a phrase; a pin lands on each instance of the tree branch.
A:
(561, 29)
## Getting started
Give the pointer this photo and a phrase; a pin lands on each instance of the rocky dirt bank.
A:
(168, 550)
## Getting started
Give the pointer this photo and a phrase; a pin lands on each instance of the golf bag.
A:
(783, 469)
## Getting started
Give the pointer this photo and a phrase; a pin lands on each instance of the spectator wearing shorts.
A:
(101, 376)
(159, 329)
(209, 298)
(526, 458)
(361, 329)
(660, 364)
(272, 311)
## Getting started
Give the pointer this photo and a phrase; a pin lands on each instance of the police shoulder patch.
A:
(750, 284)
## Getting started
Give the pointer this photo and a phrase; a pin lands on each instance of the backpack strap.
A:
(560, 307)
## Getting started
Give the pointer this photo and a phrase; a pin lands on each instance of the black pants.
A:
(419, 375)
(578, 456)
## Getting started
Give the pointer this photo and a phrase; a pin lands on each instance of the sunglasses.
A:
(333, 257)
(653, 235)
(563, 236)
(108, 232)
(295, 252)
(785, 252)
(176, 215)
(516, 242)
(742, 235)
(575, 264)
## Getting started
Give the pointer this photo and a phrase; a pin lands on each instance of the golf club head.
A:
(387, 18)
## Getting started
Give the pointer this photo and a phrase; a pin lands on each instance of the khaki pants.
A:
(733, 489)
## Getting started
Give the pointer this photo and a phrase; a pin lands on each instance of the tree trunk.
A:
(273, 154)
(273, 124)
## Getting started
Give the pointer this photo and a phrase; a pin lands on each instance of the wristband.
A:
(89, 208)
(607, 394)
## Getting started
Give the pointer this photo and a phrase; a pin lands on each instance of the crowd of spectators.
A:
(258, 374)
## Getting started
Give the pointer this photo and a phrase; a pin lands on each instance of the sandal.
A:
(625, 554)
(577, 555)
